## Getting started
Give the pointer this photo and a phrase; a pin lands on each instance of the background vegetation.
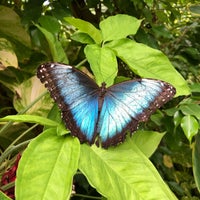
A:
(34, 32)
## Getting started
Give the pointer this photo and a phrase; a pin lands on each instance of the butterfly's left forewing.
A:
(76, 95)
(128, 103)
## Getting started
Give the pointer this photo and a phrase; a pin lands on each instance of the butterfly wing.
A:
(128, 103)
(121, 106)
(76, 95)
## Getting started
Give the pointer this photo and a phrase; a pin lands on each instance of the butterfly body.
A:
(94, 113)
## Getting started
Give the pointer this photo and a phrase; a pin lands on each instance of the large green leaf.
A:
(190, 126)
(149, 63)
(30, 119)
(119, 26)
(86, 27)
(7, 54)
(27, 92)
(196, 161)
(103, 63)
(47, 167)
(57, 51)
(50, 23)
(12, 29)
(123, 172)
(61, 129)
(147, 141)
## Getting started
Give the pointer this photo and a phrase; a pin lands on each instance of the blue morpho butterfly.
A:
(94, 113)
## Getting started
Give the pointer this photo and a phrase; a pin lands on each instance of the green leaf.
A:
(30, 119)
(3, 196)
(82, 38)
(10, 77)
(171, 111)
(161, 31)
(195, 87)
(12, 29)
(27, 92)
(119, 26)
(57, 51)
(147, 141)
(190, 126)
(50, 23)
(13, 132)
(7, 54)
(177, 118)
(86, 27)
(54, 114)
(47, 167)
(149, 63)
(103, 63)
(191, 109)
(196, 161)
(123, 172)
(195, 9)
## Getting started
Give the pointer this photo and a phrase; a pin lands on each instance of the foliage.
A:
(114, 50)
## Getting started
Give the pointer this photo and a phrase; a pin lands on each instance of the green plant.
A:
(50, 161)
(111, 49)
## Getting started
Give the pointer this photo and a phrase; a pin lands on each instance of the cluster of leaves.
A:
(125, 169)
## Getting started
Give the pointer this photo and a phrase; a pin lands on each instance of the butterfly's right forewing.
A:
(76, 95)
(128, 103)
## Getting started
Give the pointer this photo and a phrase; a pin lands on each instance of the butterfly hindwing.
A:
(128, 103)
(76, 95)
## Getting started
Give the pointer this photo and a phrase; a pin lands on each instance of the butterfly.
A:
(99, 114)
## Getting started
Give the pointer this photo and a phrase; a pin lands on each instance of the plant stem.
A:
(11, 149)
(86, 196)
(24, 133)
(7, 186)
(81, 63)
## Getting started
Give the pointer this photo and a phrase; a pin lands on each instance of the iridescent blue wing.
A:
(76, 95)
(128, 103)
(90, 111)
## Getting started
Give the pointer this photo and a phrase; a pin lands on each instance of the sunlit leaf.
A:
(30, 119)
(47, 167)
(118, 27)
(103, 63)
(123, 172)
(147, 141)
(149, 63)
(86, 27)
